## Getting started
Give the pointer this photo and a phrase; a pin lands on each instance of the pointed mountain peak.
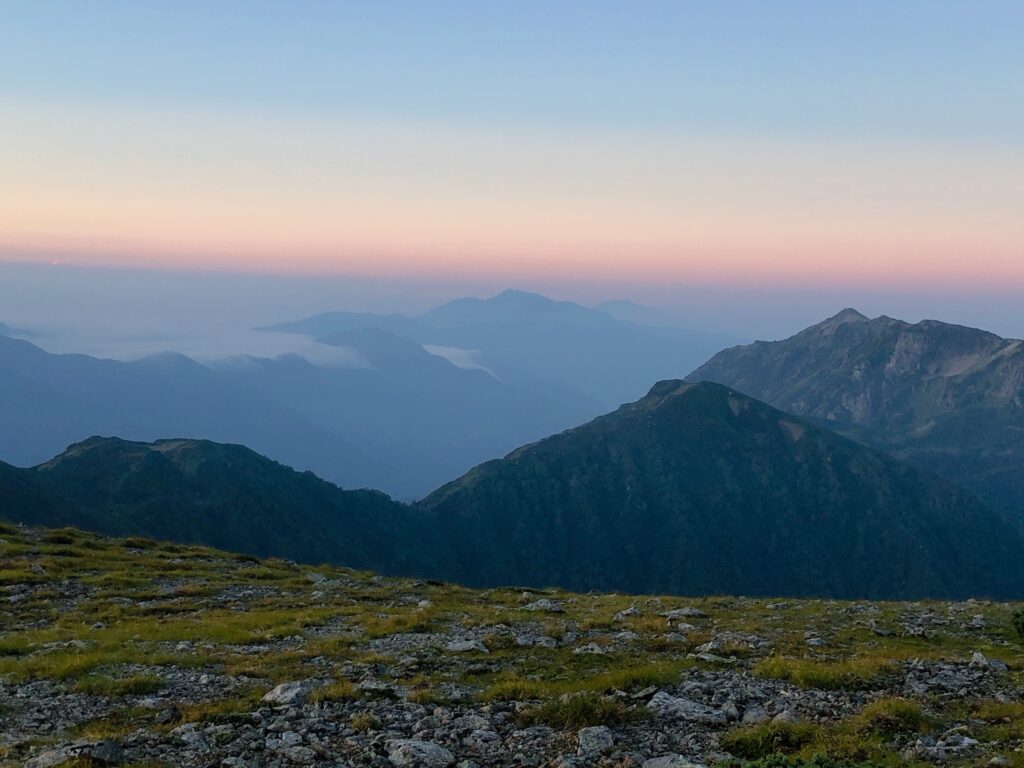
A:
(519, 296)
(848, 315)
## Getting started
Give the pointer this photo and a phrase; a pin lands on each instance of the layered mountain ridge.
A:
(596, 353)
(697, 488)
(694, 488)
(945, 397)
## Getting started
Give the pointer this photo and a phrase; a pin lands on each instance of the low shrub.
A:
(579, 711)
(768, 739)
(850, 674)
(136, 685)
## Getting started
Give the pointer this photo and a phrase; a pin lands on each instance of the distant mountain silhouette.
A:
(426, 417)
(607, 359)
(49, 401)
(945, 397)
(407, 422)
(6, 330)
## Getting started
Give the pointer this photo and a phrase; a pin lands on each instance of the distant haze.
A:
(130, 313)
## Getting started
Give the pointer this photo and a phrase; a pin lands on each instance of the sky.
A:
(788, 143)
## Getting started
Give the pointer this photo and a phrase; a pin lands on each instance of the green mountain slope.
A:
(221, 495)
(698, 489)
(945, 397)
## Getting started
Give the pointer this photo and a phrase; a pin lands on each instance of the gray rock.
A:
(670, 761)
(298, 754)
(106, 751)
(731, 711)
(786, 716)
(593, 741)
(683, 613)
(49, 758)
(464, 646)
(754, 715)
(103, 752)
(669, 706)
(288, 694)
(981, 661)
(419, 754)
(623, 615)
(548, 606)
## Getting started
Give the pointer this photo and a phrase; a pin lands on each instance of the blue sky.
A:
(912, 69)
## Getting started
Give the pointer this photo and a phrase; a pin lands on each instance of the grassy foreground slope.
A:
(149, 654)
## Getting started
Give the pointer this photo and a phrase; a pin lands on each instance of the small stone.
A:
(683, 613)
(106, 752)
(670, 761)
(464, 646)
(298, 754)
(48, 759)
(292, 694)
(548, 606)
(168, 715)
(629, 612)
(731, 711)
(785, 716)
(595, 740)
(754, 715)
(981, 661)
(670, 706)
(592, 648)
(419, 754)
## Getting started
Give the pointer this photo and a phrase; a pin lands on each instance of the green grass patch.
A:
(849, 674)
(624, 678)
(767, 739)
(890, 716)
(103, 685)
(579, 711)
(341, 690)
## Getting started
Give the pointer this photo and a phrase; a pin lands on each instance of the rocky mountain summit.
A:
(945, 397)
(138, 653)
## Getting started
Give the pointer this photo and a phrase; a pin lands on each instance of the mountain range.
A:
(947, 398)
(600, 354)
(404, 420)
(694, 488)
(398, 403)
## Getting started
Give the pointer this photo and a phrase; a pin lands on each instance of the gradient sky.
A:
(792, 143)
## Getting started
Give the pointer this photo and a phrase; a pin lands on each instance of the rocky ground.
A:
(147, 654)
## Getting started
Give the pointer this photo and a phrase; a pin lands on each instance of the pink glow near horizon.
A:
(940, 266)
(210, 192)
